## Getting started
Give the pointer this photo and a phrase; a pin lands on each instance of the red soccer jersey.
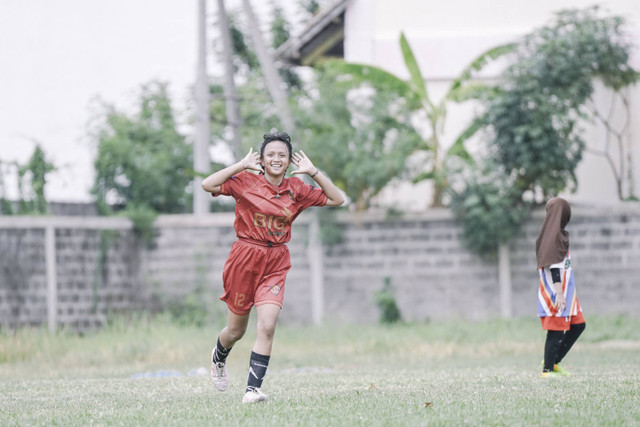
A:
(264, 211)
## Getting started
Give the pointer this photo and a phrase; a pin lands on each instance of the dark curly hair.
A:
(276, 136)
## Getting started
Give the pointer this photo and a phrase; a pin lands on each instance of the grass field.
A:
(441, 373)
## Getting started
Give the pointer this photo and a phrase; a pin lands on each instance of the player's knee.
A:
(235, 333)
(267, 328)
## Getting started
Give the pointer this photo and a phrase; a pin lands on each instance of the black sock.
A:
(257, 370)
(551, 349)
(220, 353)
(569, 338)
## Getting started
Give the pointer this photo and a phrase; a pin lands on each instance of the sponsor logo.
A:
(270, 221)
(273, 222)
(275, 289)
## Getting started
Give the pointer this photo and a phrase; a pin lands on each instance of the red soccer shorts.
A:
(254, 275)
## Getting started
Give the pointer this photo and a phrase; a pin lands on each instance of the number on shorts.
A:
(238, 300)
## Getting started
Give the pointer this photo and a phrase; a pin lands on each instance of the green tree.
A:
(532, 117)
(256, 109)
(372, 140)
(358, 135)
(417, 98)
(245, 56)
(143, 163)
(32, 179)
(258, 113)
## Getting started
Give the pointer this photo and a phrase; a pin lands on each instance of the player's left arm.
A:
(334, 196)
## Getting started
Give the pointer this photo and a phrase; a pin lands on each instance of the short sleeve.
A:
(309, 195)
(233, 186)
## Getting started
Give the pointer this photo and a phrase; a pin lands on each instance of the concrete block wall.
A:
(103, 267)
(431, 274)
(22, 277)
(98, 273)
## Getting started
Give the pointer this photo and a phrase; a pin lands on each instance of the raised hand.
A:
(252, 161)
(303, 163)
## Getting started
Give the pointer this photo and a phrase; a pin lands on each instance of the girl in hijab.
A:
(558, 306)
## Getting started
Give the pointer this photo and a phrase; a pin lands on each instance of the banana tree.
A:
(415, 92)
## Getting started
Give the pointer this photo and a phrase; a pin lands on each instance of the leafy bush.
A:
(491, 210)
(386, 302)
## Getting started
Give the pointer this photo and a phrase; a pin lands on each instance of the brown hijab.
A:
(552, 243)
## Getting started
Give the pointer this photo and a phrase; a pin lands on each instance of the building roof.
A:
(323, 37)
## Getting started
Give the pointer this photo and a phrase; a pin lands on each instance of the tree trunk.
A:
(438, 192)
(273, 80)
(439, 181)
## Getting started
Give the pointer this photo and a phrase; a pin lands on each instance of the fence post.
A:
(504, 279)
(316, 267)
(52, 283)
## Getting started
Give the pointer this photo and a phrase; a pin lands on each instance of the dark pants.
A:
(559, 343)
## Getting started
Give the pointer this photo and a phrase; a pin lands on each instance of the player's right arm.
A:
(213, 182)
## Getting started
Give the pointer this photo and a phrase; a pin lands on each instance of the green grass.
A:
(441, 373)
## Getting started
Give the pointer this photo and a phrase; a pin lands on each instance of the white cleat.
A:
(219, 375)
(254, 395)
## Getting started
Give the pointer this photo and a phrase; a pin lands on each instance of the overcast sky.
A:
(58, 56)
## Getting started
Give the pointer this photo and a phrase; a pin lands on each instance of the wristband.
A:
(317, 171)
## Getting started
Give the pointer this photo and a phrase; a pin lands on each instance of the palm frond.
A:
(377, 77)
(458, 149)
(424, 176)
(475, 90)
(480, 62)
(417, 80)
(368, 73)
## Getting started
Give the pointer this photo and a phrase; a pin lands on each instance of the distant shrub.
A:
(386, 302)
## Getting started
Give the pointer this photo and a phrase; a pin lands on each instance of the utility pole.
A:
(230, 96)
(201, 160)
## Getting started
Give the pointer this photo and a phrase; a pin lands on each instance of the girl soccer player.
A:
(558, 306)
(255, 272)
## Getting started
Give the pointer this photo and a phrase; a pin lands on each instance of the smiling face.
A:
(276, 158)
